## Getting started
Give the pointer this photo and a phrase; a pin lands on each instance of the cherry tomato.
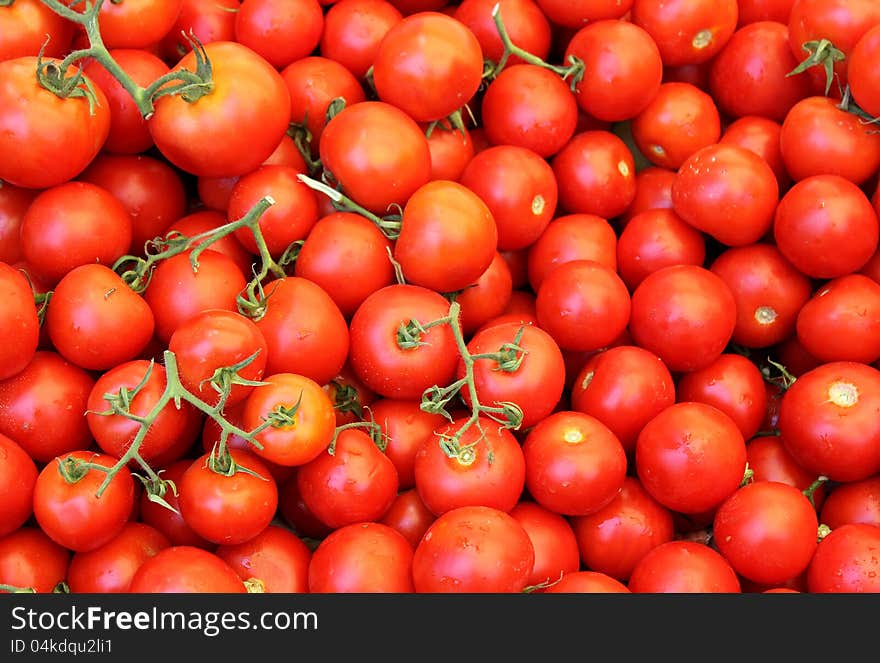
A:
(169, 521)
(281, 32)
(761, 136)
(527, 23)
(27, 26)
(353, 30)
(687, 32)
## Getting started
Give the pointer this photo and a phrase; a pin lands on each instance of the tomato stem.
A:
(374, 430)
(12, 589)
(821, 52)
(390, 225)
(813, 487)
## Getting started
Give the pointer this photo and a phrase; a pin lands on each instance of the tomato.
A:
(137, 23)
(356, 483)
(429, 65)
(169, 521)
(519, 188)
(304, 329)
(30, 559)
(614, 539)
(74, 224)
(281, 32)
(14, 202)
(69, 510)
(654, 239)
(205, 20)
(114, 433)
(385, 359)
(43, 407)
(27, 26)
(846, 561)
(826, 227)
(111, 567)
(150, 190)
(767, 531)
(761, 136)
(861, 75)
(305, 427)
(18, 474)
(205, 220)
(828, 421)
(526, 21)
(733, 384)
(685, 314)
(583, 305)
(751, 11)
(531, 107)
(576, 15)
(473, 549)
(750, 74)
(596, 174)
(653, 191)
(95, 320)
(19, 323)
(228, 509)
(451, 150)
(623, 69)
(684, 567)
(289, 219)
(353, 30)
(575, 465)
(556, 548)
(185, 569)
(853, 502)
(571, 237)
(768, 290)
(486, 468)
(691, 457)
(624, 388)
(352, 150)
(128, 128)
(769, 460)
(295, 514)
(275, 561)
(409, 516)
(205, 137)
(487, 298)
(587, 582)
(32, 118)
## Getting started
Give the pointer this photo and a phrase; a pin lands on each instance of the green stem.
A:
(390, 226)
(12, 589)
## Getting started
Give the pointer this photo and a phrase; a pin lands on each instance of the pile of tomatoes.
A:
(428, 296)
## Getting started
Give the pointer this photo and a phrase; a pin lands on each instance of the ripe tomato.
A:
(556, 548)
(281, 32)
(137, 24)
(862, 75)
(685, 314)
(18, 475)
(691, 457)
(828, 422)
(825, 225)
(687, 32)
(489, 470)
(295, 514)
(14, 202)
(587, 582)
(352, 149)
(409, 516)
(526, 21)
(32, 118)
(205, 220)
(95, 320)
(169, 521)
(185, 569)
(304, 329)
(767, 531)
(575, 465)
(473, 549)
(384, 356)
(653, 191)
(362, 558)
(30, 559)
(448, 237)
(19, 324)
(306, 427)
(228, 509)
(684, 567)
(852, 502)
(846, 561)
(576, 15)
(73, 224)
(487, 298)
(43, 407)
(205, 137)
(769, 460)
(276, 561)
(27, 26)
(205, 20)
(353, 30)
(356, 483)
(761, 136)
(110, 568)
(616, 537)
(451, 150)
(69, 510)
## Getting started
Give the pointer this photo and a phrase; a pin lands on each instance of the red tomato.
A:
(32, 118)
(169, 521)
(861, 73)
(19, 323)
(18, 475)
(205, 20)
(294, 512)
(846, 561)
(527, 23)
(687, 32)
(31, 560)
(276, 561)
(853, 502)
(209, 219)
(761, 136)
(185, 570)
(356, 483)
(451, 150)
(353, 30)
(828, 421)
(825, 225)
(409, 516)
(14, 202)
(487, 298)
(137, 24)
(653, 191)
(43, 407)
(473, 549)
(685, 314)
(691, 457)
(110, 568)
(767, 531)
(556, 548)
(575, 465)
(684, 567)
(205, 137)
(366, 557)
(27, 26)
(587, 582)
(281, 32)
(751, 11)
(576, 15)
(69, 511)
(769, 460)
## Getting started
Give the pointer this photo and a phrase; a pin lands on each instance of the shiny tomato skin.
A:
(19, 323)
(186, 570)
(586, 582)
(846, 560)
(276, 560)
(18, 476)
(862, 75)
(852, 502)
(353, 30)
(552, 536)
(687, 32)
(30, 559)
(281, 32)
(170, 523)
(409, 516)
(684, 567)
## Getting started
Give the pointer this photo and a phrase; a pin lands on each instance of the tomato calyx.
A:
(221, 462)
(748, 476)
(374, 430)
(823, 531)
(12, 589)
(346, 399)
(821, 53)
(783, 380)
(509, 356)
(255, 586)
(55, 78)
(284, 416)
(389, 225)
(156, 489)
(225, 377)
